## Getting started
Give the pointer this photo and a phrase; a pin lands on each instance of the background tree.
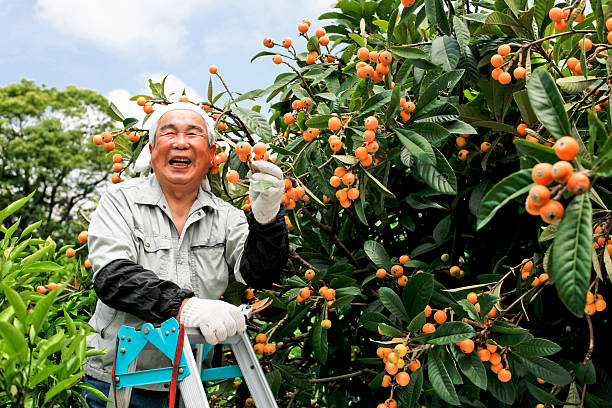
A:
(46, 145)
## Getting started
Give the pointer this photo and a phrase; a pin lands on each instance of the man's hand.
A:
(265, 205)
(216, 319)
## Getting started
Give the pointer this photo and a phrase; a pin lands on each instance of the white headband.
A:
(143, 162)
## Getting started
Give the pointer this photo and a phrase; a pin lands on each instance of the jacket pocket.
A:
(108, 324)
(209, 271)
(154, 253)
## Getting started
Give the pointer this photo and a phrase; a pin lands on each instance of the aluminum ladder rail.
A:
(192, 392)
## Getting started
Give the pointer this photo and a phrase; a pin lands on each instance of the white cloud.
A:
(153, 27)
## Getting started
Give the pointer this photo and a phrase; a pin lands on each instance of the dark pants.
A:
(139, 399)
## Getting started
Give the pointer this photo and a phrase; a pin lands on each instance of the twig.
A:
(591, 339)
(340, 377)
(299, 258)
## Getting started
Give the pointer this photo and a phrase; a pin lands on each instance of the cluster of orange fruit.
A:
(441, 317)
(397, 271)
(489, 353)
(396, 359)
(461, 142)
(107, 140)
(407, 107)
(526, 271)
(292, 194)
(219, 159)
(42, 290)
(262, 346)
(456, 272)
(501, 75)
(259, 150)
(522, 130)
(560, 16)
(538, 200)
(289, 117)
(365, 152)
(600, 240)
(346, 195)
(594, 303)
(382, 60)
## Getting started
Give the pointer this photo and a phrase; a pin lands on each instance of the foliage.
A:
(45, 147)
(434, 224)
(42, 321)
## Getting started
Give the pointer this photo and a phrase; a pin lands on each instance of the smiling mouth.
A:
(180, 162)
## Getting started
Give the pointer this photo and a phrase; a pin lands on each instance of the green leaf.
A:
(544, 368)
(254, 94)
(394, 102)
(522, 101)
(375, 102)
(445, 51)
(539, 152)
(28, 230)
(130, 122)
(472, 366)
(462, 32)
(377, 253)
(597, 129)
(443, 83)
(371, 320)
(548, 104)
(486, 302)
(417, 293)
(417, 322)
(14, 340)
(416, 145)
(255, 122)
(391, 26)
(439, 377)
(390, 331)
(571, 263)
(436, 14)
(350, 160)
(440, 177)
(319, 342)
(504, 392)
(585, 372)
(380, 185)
(318, 121)
(604, 168)
(575, 84)
(114, 113)
(44, 374)
(63, 385)
(508, 188)
(93, 390)
(573, 397)
(357, 38)
(451, 332)
(540, 395)
(537, 347)
(393, 303)
(262, 54)
(14, 206)
(15, 300)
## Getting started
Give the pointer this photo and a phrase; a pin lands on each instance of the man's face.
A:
(181, 156)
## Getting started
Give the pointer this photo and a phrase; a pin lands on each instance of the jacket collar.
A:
(151, 193)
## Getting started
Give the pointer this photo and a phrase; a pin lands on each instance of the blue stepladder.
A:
(189, 373)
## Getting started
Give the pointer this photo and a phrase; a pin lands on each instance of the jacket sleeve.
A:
(265, 251)
(127, 286)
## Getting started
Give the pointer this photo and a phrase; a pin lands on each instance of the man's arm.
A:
(256, 253)
(119, 281)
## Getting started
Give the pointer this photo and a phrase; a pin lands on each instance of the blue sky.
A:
(113, 46)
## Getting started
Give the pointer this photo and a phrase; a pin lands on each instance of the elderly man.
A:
(164, 244)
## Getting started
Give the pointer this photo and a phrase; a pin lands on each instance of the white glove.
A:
(216, 319)
(265, 205)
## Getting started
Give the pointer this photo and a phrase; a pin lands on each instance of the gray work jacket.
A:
(133, 221)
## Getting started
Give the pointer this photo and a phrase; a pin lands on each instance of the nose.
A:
(180, 141)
